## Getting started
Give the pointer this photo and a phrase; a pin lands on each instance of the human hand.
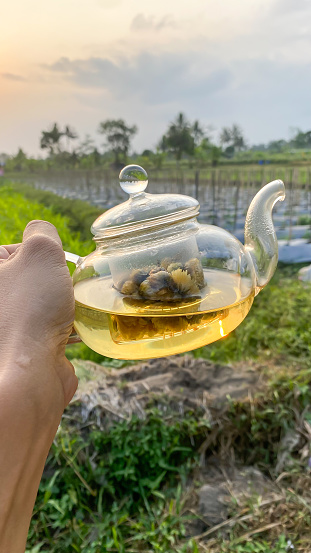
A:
(37, 307)
(36, 379)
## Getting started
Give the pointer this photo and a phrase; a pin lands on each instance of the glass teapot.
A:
(159, 283)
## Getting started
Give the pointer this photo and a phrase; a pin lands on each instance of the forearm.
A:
(21, 467)
(27, 429)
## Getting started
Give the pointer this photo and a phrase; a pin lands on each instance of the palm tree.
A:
(225, 136)
(233, 137)
(237, 138)
(118, 136)
(198, 133)
(178, 137)
(51, 140)
(70, 134)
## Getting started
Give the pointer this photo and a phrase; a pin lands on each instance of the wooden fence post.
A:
(196, 184)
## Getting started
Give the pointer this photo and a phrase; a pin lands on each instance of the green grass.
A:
(123, 492)
(122, 489)
(278, 325)
(16, 211)
(79, 215)
(281, 545)
(131, 495)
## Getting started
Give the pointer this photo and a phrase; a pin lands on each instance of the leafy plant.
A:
(282, 545)
(93, 485)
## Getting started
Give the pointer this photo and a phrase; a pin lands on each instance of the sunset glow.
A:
(78, 62)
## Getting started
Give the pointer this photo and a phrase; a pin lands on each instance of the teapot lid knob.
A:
(133, 179)
(144, 210)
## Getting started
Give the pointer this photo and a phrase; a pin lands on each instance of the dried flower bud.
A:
(184, 283)
(174, 266)
(166, 262)
(139, 275)
(195, 270)
(156, 269)
(157, 286)
(129, 288)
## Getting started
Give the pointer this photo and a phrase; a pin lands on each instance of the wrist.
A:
(32, 392)
(25, 443)
(31, 370)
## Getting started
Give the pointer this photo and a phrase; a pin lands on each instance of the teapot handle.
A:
(72, 258)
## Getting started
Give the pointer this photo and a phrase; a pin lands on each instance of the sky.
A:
(80, 62)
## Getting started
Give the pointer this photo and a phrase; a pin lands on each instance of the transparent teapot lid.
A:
(142, 210)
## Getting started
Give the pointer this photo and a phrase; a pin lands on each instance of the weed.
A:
(92, 486)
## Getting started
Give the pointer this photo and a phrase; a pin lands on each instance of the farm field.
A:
(130, 481)
(224, 193)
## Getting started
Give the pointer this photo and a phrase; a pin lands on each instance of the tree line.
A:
(183, 139)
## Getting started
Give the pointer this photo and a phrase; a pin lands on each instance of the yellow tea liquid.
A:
(124, 328)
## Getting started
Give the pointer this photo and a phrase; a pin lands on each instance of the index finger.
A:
(6, 251)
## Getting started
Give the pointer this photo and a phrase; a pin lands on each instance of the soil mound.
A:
(181, 381)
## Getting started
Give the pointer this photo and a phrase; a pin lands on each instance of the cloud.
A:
(12, 77)
(264, 96)
(149, 23)
(155, 79)
(287, 7)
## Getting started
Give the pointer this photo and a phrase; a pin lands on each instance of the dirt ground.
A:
(183, 382)
(220, 494)
(179, 380)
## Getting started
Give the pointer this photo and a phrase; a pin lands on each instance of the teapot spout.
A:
(260, 237)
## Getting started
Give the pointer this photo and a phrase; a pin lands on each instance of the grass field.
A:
(123, 488)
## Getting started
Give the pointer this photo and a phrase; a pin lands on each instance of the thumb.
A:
(41, 242)
(41, 227)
